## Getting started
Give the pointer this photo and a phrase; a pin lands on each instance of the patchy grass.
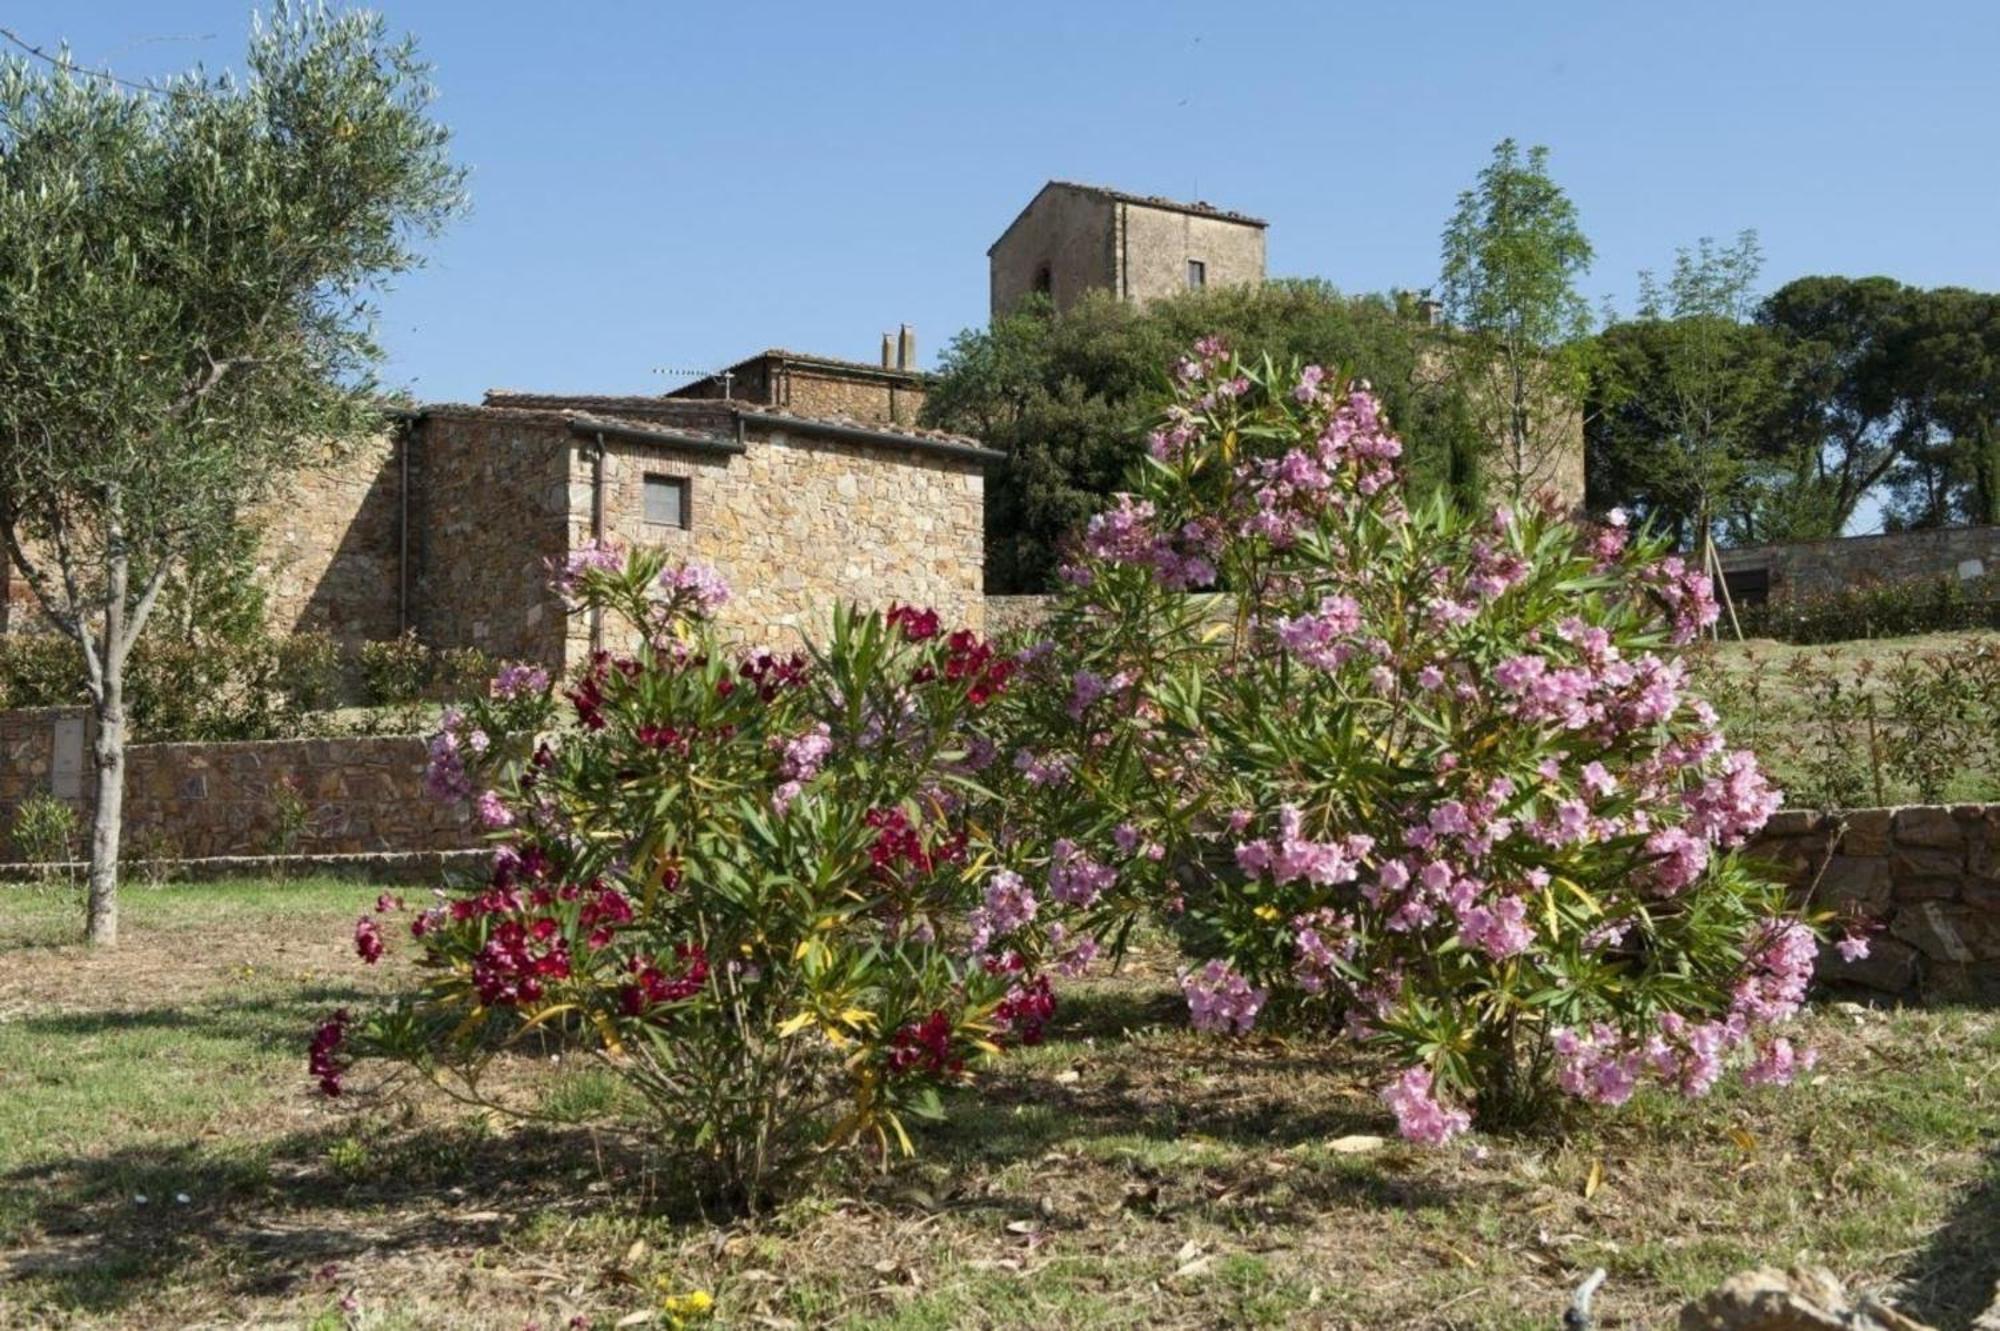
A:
(1822, 750)
(1125, 1174)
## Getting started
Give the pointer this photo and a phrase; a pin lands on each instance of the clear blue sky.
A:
(670, 184)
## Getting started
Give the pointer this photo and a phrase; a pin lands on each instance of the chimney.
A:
(888, 353)
(906, 348)
(1431, 312)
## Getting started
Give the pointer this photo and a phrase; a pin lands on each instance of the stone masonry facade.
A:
(360, 795)
(1076, 238)
(1816, 568)
(1929, 874)
(891, 393)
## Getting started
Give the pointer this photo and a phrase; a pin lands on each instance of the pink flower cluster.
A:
(1291, 857)
(1075, 879)
(569, 573)
(1420, 1117)
(694, 588)
(1221, 1001)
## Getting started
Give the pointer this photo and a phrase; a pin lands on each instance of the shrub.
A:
(731, 875)
(1883, 610)
(1428, 779)
(45, 830)
(396, 670)
(309, 670)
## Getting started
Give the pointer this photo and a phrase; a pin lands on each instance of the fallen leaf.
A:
(1356, 1144)
(1594, 1181)
(1743, 1139)
(640, 1318)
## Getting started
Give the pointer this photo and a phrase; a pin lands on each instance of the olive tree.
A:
(186, 270)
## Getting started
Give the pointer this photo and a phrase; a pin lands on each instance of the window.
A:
(1197, 274)
(667, 501)
(1045, 282)
(1748, 586)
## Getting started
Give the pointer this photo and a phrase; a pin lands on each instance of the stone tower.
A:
(1075, 238)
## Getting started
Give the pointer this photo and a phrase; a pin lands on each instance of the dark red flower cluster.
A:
(368, 939)
(1026, 1010)
(926, 1047)
(517, 959)
(974, 663)
(918, 625)
(650, 985)
(770, 674)
(323, 1055)
(602, 914)
(588, 695)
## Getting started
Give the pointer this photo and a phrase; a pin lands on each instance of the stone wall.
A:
(1931, 874)
(798, 524)
(1154, 246)
(43, 751)
(1813, 568)
(490, 509)
(363, 795)
(331, 558)
(818, 386)
(1075, 238)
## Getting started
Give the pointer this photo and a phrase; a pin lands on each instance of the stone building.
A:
(891, 393)
(446, 524)
(1075, 238)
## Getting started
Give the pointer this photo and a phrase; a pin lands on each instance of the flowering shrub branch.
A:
(727, 874)
(1430, 780)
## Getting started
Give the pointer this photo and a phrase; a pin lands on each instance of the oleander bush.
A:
(1428, 781)
(734, 877)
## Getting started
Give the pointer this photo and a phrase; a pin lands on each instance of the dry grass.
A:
(1125, 1174)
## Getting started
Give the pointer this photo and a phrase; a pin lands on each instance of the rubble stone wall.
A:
(1817, 568)
(797, 524)
(1929, 873)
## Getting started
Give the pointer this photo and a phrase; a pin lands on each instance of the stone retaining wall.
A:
(362, 795)
(1930, 874)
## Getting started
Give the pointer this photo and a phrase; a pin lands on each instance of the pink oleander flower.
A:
(1010, 904)
(368, 940)
(1499, 929)
(493, 811)
(1220, 1001)
(695, 587)
(1419, 1115)
(1852, 947)
(1075, 879)
(569, 574)
(518, 681)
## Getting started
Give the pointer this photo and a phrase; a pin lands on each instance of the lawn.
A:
(162, 1165)
(1805, 710)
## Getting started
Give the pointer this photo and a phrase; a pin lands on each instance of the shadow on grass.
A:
(285, 1020)
(266, 1221)
(1954, 1278)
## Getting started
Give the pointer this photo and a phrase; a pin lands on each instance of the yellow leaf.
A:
(1595, 1181)
(1743, 1139)
(796, 1024)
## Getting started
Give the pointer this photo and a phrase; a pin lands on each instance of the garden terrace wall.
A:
(1929, 874)
(1819, 568)
(362, 795)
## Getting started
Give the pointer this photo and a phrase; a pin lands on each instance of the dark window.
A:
(667, 501)
(1045, 281)
(1748, 586)
(1197, 274)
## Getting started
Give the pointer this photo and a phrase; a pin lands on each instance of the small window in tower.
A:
(1197, 274)
(1045, 282)
(667, 501)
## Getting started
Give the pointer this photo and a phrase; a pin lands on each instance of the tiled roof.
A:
(809, 358)
(691, 416)
(1200, 208)
(1195, 209)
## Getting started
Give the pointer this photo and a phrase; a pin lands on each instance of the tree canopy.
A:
(185, 274)
(1068, 397)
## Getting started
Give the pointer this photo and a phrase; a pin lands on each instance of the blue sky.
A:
(677, 185)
